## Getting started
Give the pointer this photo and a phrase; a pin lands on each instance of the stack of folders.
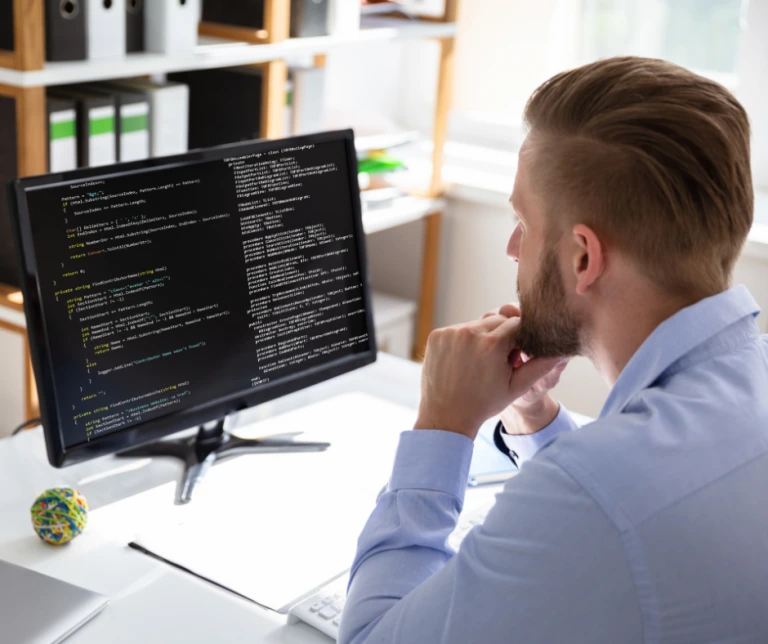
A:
(93, 29)
(103, 123)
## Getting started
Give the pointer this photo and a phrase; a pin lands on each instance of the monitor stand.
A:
(211, 445)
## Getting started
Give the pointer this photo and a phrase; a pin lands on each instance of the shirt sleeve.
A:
(523, 447)
(518, 577)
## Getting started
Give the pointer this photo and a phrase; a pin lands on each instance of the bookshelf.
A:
(24, 77)
(213, 52)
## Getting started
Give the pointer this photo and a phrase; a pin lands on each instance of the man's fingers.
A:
(510, 311)
(507, 329)
(529, 373)
(490, 323)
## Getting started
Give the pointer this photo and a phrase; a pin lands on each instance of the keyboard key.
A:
(336, 621)
(328, 612)
(316, 607)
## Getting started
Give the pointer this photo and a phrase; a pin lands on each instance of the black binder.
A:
(240, 13)
(213, 121)
(65, 34)
(9, 270)
(134, 25)
(309, 18)
(6, 25)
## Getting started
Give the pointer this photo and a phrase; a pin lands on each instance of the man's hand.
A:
(535, 409)
(472, 372)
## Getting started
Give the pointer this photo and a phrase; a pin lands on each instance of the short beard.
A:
(547, 328)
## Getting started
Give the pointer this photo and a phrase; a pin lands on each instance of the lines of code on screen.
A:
(168, 288)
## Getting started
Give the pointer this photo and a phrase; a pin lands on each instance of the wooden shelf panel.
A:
(212, 53)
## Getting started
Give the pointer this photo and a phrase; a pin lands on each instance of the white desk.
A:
(151, 601)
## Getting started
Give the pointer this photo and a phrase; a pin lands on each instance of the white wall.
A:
(476, 276)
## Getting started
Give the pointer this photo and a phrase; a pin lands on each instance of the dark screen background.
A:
(169, 288)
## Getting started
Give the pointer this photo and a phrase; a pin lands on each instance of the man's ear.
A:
(589, 258)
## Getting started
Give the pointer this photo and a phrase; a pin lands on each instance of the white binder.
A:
(168, 115)
(343, 17)
(171, 25)
(62, 136)
(102, 141)
(105, 28)
(308, 100)
(134, 131)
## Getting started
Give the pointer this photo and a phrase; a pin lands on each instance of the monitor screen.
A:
(193, 287)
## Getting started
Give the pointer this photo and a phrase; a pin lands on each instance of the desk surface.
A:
(151, 601)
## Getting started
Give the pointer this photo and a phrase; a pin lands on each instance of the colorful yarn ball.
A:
(59, 515)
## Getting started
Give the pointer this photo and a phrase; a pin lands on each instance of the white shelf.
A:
(404, 211)
(215, 52)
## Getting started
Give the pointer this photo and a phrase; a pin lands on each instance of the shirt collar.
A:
(676, 337)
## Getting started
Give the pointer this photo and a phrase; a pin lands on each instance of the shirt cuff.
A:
(430, 459)
(527, 445)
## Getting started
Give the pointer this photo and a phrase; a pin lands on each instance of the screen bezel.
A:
(59, 454)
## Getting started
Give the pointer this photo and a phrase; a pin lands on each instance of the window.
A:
(506, 49)
(702, 35)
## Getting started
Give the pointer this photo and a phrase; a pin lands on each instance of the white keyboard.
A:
(323, 610)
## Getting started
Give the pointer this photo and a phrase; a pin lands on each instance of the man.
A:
(634, 199)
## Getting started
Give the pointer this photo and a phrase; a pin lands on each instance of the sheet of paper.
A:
(275, 528)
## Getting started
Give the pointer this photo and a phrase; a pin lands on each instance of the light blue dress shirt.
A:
(647, 525)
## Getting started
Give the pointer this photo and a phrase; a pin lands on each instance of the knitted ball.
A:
(59, 515)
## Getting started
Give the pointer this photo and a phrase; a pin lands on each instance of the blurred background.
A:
(434, 90)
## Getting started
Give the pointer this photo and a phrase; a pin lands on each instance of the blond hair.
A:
(654, 158)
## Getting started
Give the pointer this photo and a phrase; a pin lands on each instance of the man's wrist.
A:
(530, 418)
(434, 460)
(465, 427)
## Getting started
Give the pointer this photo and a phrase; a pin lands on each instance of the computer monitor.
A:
(164, 294)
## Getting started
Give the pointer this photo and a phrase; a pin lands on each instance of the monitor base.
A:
(211, 445)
